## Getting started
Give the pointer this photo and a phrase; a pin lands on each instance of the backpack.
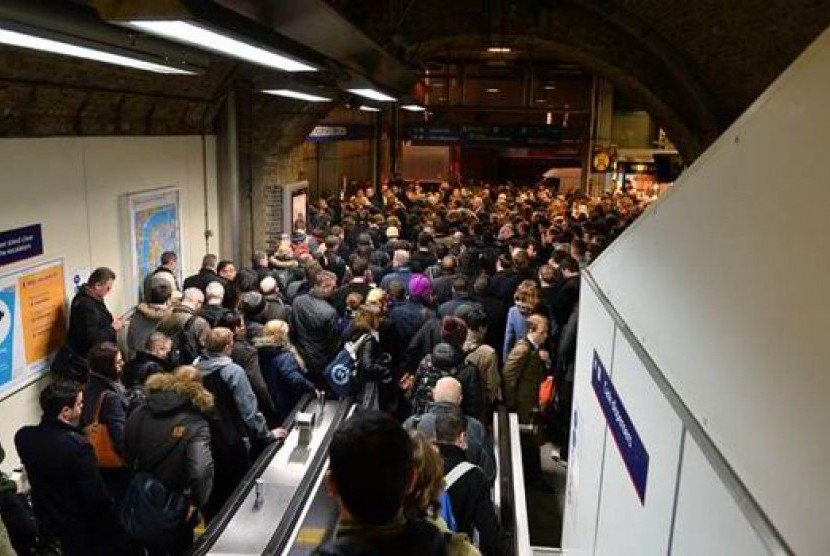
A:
(185, 344)
(150, 512)
(429, 376)
(341, 373)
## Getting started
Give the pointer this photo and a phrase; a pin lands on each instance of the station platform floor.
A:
(546, 509)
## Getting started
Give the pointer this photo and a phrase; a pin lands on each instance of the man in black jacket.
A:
(467, 486)
(369, 471)
(90, 322)
(314, 326)
(206, 274)
(70, 501)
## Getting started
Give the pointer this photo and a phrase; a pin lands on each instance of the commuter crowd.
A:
(452, 301)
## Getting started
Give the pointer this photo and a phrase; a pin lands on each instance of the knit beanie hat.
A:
(419, 286)
(453, 331)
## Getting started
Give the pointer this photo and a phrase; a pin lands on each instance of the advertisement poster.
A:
(32, 322)
(155, 227)
(42, 311)
(6, 336)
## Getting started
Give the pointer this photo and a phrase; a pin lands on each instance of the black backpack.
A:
(185, 344)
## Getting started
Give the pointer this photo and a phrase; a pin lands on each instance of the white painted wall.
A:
(724, 282)
(72, 186)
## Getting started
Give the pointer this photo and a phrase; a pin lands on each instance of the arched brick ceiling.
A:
(695, 65)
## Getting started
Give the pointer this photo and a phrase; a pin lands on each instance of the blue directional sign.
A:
(631, 448)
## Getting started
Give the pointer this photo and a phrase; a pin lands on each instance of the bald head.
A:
(448, 390)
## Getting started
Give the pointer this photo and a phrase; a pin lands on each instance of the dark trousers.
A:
(531, 458)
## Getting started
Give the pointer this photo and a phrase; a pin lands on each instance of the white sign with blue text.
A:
(628, 441)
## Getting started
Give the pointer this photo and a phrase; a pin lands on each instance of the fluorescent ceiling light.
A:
(492, 90)
(369, 108)
(24, 40)
(413, 108)
(436, 84)
(295, 94)
(182, 31)
(372, 94)
(550, 87)
(499, 49)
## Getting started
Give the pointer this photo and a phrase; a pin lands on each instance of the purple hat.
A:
(419, 286)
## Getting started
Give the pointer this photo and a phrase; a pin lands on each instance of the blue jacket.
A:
(408, 318)
(243, 395)
(284, 377)
(402, 274)
(516, 330)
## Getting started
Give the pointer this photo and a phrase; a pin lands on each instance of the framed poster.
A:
(154, 220)
(295, 204)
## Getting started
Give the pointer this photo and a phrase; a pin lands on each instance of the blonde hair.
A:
(526, 297)
(276, 332)
(422, 500)
(369, 316)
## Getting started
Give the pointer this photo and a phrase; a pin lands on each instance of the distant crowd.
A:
(452, 301)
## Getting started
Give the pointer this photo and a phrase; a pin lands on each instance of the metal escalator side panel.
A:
(217, 526)
(522, 528)
(251, 528)
(305, 491)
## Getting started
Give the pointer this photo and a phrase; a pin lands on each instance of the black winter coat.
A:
(68, 493)
(315, 332)
(471, 504)
(200, 280)
(414, 538)
(153, 429)
(142, 366)
(90, 322)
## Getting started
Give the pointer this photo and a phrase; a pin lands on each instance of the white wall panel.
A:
(627, 525)
(72, 187)
(596, 332)
(725, 283)
(708, 519)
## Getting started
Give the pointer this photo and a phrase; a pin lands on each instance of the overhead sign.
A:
(486, 135)
(631, 448)
(20, 243)
(340, 132)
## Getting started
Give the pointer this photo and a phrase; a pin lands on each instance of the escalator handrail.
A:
(293, 511)
(218, 524)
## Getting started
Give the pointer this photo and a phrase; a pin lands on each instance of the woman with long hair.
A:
(525, 303)
(282, 367)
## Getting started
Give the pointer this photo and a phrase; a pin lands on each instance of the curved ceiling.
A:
(695, 67)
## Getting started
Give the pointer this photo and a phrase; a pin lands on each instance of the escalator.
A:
(294, 514)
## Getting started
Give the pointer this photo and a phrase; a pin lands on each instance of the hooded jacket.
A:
(173, 404)
(216, 366)
(144, 322)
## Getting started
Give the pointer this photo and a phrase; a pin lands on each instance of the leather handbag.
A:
(99, 436)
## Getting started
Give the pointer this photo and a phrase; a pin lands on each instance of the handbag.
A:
(547, 389)
(341, 373)
(150, 512)
(98, 435)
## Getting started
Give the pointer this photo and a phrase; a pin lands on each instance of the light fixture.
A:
(499, 49)
(372, 94)
(549, 87)
(365, 108)
(34, 42)
(202, 37)
(540, 100)
(296, 95)
(413, 108)
(549, 118)
(436, 84)
(492, 90)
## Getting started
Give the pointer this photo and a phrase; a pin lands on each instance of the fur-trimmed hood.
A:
(167, 393)
(154, 312)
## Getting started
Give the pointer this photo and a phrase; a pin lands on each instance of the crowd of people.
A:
(452, 301)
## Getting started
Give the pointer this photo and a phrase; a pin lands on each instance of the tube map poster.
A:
(155, 228)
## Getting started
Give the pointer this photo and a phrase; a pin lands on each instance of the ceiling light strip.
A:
(34, 42)
(288, 93)
(201, 37)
